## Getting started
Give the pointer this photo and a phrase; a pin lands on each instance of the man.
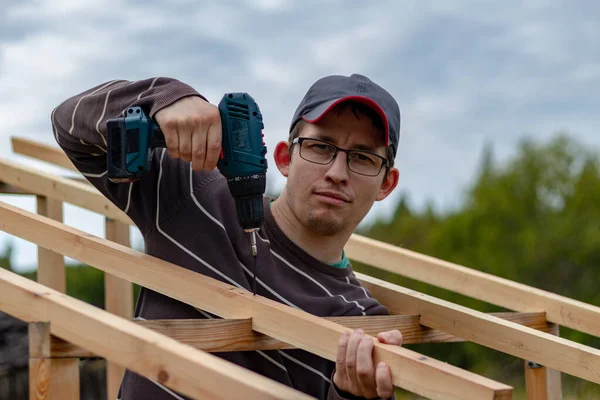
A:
(338, 161)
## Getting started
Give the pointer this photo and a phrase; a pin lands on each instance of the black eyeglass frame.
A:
(385, 162)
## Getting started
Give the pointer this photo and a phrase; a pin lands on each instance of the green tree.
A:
(6, 257)
(534, 219)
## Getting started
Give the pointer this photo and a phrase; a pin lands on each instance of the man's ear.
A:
(389, 184)
(282, 157)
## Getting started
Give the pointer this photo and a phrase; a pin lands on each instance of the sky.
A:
(464, 73)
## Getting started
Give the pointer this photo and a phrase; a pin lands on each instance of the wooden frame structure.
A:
(61, 326)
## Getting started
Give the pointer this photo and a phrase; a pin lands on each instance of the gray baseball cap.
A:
(331, 90)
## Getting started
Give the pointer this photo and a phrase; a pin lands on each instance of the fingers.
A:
(365, 372)
(390, 337)
(383, 374)
(355, 370)
(213, 145)
(192, 129)
(169, 130)
(383, 379)
(185, 143)
(352, 359)
(198, 149)
(340, 378)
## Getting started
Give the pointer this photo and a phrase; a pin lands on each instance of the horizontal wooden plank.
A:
(237, 335)
(410, 370)
(160, 358)
(496, 333)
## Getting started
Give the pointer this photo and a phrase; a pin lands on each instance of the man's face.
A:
(330, 199)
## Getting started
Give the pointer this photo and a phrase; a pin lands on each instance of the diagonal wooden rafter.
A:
(502, 292)
(155, 356)
(520, 341)
(59, 188)
(42, 151)
(410, 370)
(11, 189)
(492, 289)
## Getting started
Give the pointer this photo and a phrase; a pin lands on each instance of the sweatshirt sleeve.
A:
(79, 127)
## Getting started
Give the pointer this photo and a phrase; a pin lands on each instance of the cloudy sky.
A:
(464, 73)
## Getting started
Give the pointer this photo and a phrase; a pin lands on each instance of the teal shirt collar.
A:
(343, 263)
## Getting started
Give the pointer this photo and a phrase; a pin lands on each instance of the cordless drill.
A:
(132, 138)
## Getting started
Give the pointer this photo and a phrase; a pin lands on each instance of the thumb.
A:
(390, 337)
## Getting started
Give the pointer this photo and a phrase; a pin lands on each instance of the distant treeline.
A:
(534, 219)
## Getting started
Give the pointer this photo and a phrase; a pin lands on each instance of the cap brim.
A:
(320, 111)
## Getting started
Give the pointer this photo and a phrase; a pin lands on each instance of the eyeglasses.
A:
(359, 161)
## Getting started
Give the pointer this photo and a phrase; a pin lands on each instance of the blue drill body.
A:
(243, 146)
(132, 138)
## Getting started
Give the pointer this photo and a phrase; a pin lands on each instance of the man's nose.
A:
(338, 169)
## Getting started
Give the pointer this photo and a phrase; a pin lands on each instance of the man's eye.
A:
(363, 158)
(319, 147)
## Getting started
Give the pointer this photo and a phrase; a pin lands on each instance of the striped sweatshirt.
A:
(188, 218)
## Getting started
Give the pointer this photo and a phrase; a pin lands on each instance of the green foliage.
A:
(535, 220)
(6, 256)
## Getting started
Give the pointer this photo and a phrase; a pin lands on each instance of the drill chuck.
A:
(247, 191)
(250, 214)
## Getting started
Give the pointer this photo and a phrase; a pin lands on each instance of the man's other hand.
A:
(355, 372)
(192, 129)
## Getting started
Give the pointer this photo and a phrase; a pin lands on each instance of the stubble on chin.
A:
(324, 226)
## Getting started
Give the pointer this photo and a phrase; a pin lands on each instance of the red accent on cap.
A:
(359, 99)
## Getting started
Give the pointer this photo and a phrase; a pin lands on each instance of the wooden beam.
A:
(559, 309)
(508, 337)
(535, 381)
(541, 382)
(410, 370)
(49, 378)
(51, 265)
(553, 384)
(221, 335)
(58, 188)
(118, 292)
(162, 359)
(44, 152)
(118, 296)
(39, 339)
(492, 289)
(5, 188)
